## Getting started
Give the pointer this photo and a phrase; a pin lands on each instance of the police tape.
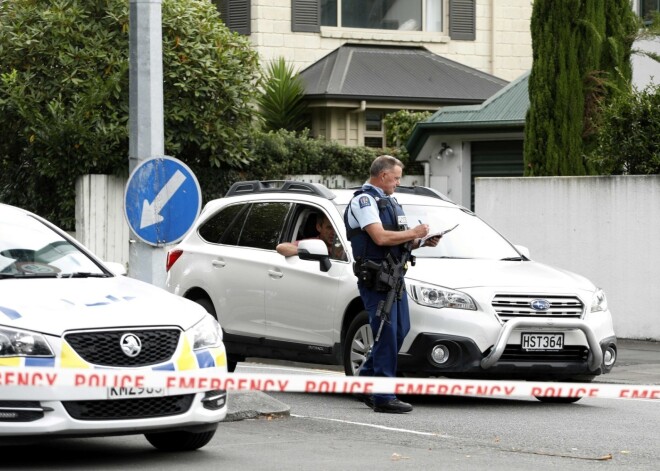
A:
(52, 383)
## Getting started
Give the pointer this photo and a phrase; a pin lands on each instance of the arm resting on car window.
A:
(288, 249)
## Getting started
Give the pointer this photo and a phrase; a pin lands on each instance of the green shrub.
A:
(276, 154)
(628, 139)
(64, 95)
(281, 104)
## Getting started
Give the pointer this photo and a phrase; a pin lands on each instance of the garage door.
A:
(495, 159)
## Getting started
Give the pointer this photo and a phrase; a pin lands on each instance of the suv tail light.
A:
(172, 256)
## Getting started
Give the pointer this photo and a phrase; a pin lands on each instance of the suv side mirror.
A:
(315, 249)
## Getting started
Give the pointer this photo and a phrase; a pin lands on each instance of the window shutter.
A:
(462, 20)
(305, 16)
(236, 15)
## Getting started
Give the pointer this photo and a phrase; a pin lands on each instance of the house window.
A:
(374, 121)
(375, 142)
(647, 8)
(374, 134)
(403, 15)
(393, 15)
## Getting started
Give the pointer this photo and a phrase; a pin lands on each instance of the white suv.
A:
(479, 307)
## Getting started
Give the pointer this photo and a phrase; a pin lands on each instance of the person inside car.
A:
(326, 234)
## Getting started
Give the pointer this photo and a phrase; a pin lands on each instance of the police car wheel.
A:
(179, 441)
(359, 339)
(208, 305)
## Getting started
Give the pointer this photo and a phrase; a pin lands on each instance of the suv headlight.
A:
(23, 343)
(599, 301)
(437, 297)
(205, 334)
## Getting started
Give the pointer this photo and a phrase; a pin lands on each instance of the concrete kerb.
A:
(252, 404)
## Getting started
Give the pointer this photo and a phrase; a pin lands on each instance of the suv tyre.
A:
(357, 343)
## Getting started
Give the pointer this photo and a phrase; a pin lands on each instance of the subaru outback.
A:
(479, 306)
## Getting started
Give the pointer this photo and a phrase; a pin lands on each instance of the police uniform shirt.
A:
(364, 209)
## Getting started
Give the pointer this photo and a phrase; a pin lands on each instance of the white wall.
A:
(100, 222)
(338, 181)
(605, 228)
(646, 71)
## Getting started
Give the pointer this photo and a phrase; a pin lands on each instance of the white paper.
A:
(436, 234)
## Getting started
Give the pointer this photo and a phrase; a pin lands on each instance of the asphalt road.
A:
(638, 363)
(336, 432)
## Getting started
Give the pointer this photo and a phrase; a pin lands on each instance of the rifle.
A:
(394, 279)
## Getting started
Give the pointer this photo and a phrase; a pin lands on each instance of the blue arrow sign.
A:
(162, 200)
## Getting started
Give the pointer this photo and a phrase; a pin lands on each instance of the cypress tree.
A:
(620, 33)
(553, 128)
(610, 77)
(581, 56)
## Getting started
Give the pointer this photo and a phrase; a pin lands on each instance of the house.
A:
(488, 37)
(351, 90)
(461, 143)
(361, 59)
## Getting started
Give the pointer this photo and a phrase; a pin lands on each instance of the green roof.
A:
(504, 110)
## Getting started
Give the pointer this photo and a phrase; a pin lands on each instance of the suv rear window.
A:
(256, 225)
(225, 226)
(263, 225)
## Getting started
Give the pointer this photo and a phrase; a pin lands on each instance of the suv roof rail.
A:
(279, 186)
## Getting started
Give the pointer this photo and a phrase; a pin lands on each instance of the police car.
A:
(61, 309)
(479, 307)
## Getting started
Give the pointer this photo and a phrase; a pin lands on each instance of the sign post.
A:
(146, 119)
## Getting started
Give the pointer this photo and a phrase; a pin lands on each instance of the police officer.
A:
(376, 226)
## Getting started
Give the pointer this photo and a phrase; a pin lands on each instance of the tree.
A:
(281, 103)
(610, 77)
(581, 52)
(64, 95)
(628, 139)
(400, 124)
(398, 129)
(553, 122)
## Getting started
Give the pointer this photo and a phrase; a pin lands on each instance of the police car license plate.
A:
(131, 392)
(542, 341)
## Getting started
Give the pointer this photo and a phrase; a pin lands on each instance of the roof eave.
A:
(395, 99)
(424, 130)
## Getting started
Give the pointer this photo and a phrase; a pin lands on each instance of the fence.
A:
(102, 227)
(100, 222)
(604, 228)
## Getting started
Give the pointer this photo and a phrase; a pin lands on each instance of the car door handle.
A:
(218, 263)
(275, 274)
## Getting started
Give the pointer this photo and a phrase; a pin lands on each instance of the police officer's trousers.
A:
(382, 361)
